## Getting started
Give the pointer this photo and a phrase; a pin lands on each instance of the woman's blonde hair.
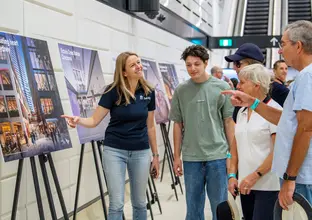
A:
(258, 74)
(121, 82)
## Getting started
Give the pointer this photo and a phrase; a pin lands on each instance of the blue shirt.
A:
(299, 98)
(127, 128)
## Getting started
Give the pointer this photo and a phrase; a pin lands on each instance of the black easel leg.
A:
(163, 165)
(177, 178)
(37, 188)
(99, 179)
(170, 162)
(155, 194)
(151, 191)
(78, 181)
(149, 205)
(99, 143)
(57, 186)
(17, 188)
(42, 160)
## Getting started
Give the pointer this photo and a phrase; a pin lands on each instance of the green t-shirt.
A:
(202, 109)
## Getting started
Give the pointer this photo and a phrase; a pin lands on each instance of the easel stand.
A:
(96, 162)
(152, 191)
(169, 155)
(42, 160)
(97, 167)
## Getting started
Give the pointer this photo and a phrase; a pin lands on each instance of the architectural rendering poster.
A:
(170, 78)
(30, 105)
(182, 73)
(153, 76)
(85, 85)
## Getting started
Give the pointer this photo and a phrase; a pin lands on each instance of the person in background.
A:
(252, 150)
(205, 115)
(130, 99)
(292, 158)
(279, 90)
(217, 72)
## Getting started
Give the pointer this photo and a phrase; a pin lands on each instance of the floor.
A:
(171, 208)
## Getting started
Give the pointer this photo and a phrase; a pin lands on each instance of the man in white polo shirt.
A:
(293, 147)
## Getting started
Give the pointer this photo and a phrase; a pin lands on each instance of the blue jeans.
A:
(303, 189)
(115, 162)
(197, 176)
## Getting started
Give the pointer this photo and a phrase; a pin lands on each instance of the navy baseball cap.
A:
(247, 50)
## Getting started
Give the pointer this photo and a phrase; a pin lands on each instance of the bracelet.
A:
(255, 104)
(259, 173)
(228, 155)
(231, 175)
(155, 155)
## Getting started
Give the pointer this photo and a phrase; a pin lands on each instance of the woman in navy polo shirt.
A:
(131, 103)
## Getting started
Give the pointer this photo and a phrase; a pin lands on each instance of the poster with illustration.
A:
(170, 78)
(30, 105)
(182, 73)
(152, 75)
(85, 85)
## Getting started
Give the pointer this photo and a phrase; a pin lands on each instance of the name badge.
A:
(145, 98)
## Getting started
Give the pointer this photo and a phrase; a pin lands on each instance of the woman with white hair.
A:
(252, 152)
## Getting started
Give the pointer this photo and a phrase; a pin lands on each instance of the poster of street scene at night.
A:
(85, 85)
(153, 76)
(30, 105)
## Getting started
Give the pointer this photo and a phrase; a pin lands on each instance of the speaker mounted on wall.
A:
(143, 5)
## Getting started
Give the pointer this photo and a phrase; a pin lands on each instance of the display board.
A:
(182, 73)
(170, 78)
(30, 105)
(153, 76)
(85, 85)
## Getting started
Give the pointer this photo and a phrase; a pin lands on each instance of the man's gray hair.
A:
(257, 74)
(301, 31)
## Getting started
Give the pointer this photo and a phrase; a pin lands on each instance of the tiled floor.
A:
(171, 208)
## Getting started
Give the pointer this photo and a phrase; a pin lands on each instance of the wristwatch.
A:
(287, 177)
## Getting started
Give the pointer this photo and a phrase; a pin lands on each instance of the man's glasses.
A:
(282, 44)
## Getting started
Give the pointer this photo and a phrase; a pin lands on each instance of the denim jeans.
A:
(198, 176)
(115, 162)
(303, 189)
(259, 205)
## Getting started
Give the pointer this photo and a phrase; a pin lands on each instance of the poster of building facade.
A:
(152, 75)
(170, 78)
(30, 105)
(85, 85)
(182, 73)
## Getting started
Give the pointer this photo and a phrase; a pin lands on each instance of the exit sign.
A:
(262, 41)
(225, 42)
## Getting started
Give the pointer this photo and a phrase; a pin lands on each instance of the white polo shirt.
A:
(254, 144)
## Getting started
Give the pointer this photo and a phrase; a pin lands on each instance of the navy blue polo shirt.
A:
(127, 128)
(279, 93)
